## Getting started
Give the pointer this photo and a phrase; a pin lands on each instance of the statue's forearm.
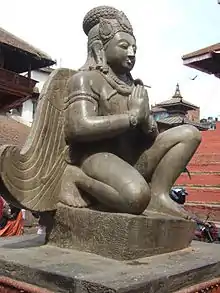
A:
(99, 127)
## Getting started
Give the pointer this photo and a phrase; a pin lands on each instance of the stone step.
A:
(203, 194)
(202, 210)
(199, 159)
(214, 167)
(200, 179)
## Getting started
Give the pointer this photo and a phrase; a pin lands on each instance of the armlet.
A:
(80, 96)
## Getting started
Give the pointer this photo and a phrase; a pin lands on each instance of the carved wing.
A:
(33, 174)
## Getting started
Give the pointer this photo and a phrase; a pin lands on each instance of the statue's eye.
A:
(124, 45)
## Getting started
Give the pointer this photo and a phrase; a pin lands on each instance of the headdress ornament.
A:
(103, 22)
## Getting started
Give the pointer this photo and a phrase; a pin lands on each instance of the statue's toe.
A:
(164, 204)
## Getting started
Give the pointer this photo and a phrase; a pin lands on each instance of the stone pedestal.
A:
(119, 236)
(63, 270)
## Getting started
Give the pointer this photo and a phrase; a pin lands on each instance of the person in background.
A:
(11, 220)
(40, 229)
(1, 207)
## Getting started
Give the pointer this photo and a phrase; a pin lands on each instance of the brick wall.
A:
(204, 187)
(194, 115)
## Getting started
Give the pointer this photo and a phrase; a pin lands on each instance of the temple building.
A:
(206, 60)
(176, 111)
(26, 111)
(16, 57)
(23, 70)
(18, 85)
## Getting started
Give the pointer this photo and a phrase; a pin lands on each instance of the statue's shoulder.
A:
(86, 80)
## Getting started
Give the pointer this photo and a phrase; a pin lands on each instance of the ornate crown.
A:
(110, 22)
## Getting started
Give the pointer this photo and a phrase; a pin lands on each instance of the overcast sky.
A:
(165, 30)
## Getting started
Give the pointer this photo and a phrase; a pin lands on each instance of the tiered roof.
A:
(20, 55)
(206, 59)
(177, 100)
(176, 109)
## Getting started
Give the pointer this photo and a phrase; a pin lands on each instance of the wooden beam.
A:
(2, 59)
(29, 71)
(15, 91)
(13, 103)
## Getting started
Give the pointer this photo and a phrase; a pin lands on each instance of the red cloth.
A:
(13, 227)
(1, 207)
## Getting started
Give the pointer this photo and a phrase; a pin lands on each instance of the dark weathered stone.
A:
(94, 138)
(119, 236)
(63, 270)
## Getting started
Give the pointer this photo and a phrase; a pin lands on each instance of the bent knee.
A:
(137, 197)
(191, 133)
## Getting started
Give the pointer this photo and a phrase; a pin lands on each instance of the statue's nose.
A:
(131, 52)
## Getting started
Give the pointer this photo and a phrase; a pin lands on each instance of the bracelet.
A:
(133, 120)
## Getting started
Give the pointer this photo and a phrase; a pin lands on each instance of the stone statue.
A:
(93, 142)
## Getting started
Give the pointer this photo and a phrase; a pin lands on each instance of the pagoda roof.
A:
(179, 120)
(177, 99)
(206, 59)
(156, 109)
(20, 54)
(209, 49)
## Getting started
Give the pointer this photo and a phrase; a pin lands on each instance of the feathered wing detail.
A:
(33, 174)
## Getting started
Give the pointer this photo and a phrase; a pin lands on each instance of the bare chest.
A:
(111, 102)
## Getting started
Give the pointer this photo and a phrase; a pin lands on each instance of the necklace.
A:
(118, 84)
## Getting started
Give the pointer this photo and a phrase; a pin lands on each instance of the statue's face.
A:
(120, 52)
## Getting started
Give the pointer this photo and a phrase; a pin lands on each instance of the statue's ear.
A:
(99, 55)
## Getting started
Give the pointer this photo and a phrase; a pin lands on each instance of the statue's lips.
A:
(129, 62)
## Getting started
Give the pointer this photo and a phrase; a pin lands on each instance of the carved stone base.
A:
(119, 236)
(62, 270)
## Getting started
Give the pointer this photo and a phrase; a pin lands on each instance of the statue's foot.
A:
(70, 194)
(164, 204)
(74, 198)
